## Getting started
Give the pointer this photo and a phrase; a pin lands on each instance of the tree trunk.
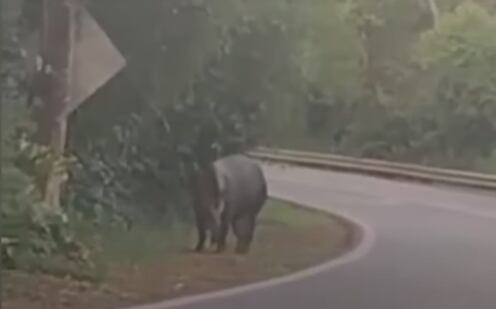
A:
(57, 52)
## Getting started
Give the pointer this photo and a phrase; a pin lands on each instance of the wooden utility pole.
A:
(57, 50)
(77, 59)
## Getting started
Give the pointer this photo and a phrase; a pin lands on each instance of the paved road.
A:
(424, 248)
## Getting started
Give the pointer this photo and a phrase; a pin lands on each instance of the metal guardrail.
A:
(377, 168)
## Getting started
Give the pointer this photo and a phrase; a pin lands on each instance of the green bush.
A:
(29, 229)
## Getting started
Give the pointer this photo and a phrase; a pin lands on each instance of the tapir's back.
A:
(242, 182)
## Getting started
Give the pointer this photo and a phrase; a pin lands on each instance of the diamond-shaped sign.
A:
(95, 60)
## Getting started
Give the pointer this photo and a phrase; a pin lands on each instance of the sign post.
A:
(57, 49)
(77, 58)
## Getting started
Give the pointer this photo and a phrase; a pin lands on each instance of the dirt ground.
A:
(288, 239)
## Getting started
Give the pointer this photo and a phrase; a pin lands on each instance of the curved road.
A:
(423, 248)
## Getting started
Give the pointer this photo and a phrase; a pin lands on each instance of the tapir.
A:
(229, 193)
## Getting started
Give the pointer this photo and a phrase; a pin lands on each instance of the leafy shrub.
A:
(29, 228)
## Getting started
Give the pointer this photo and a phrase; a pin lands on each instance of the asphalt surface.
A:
(424, 247)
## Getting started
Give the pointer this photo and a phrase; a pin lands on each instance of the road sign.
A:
(95, 60)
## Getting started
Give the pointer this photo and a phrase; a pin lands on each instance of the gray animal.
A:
(229, 193)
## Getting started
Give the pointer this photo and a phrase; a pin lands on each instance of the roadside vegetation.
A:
(151, 263)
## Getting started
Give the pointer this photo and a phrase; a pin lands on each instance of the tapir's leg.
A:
(224, 229)
(213, 233)
(202, 232)
(243, 229)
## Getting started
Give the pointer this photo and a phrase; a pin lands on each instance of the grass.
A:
(280, 212)
(152, 263)
(142, 244)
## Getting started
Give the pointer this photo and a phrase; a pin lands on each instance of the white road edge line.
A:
(364, 241)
